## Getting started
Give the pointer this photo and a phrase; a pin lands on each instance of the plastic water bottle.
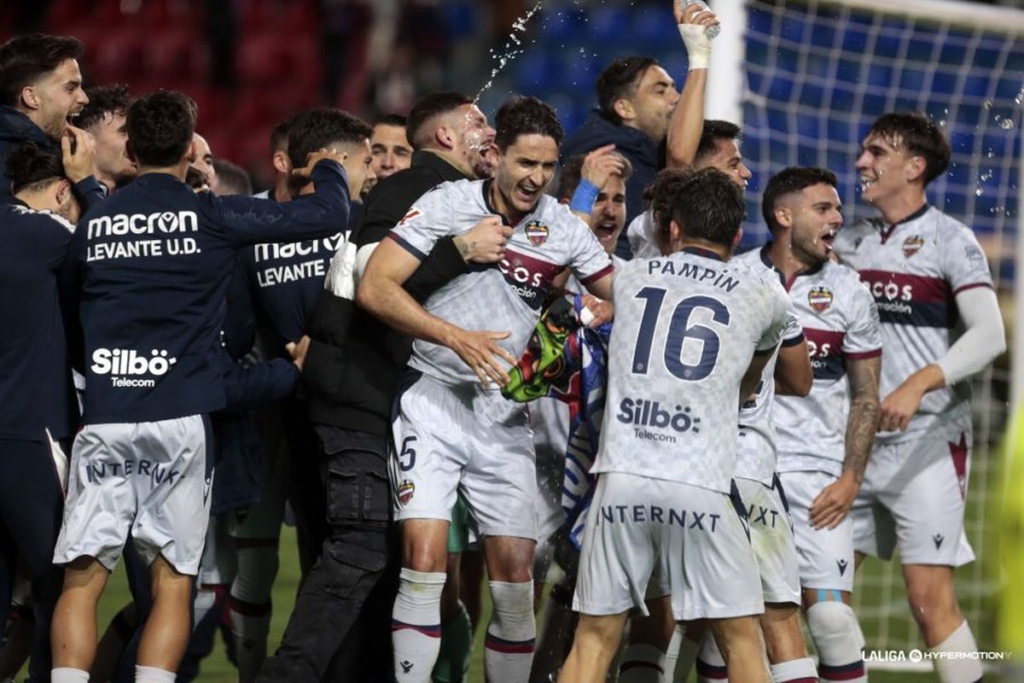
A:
(713, 31)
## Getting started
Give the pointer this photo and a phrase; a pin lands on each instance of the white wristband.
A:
(698, 45)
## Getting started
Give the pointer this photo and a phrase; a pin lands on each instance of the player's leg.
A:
(739, 641)
(456, 630)
(554, 638)
(927, 503)
(73, 634)
(594, 647)
(784, 643)
(649, 639)
(167, 630)
(512, 631)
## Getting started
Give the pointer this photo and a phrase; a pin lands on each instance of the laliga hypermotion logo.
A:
(820, 299)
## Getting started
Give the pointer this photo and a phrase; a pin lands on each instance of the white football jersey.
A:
(840, 322)
(914, 270)
(640, 233)
(686, 329)
(502, 297)
(757, 454)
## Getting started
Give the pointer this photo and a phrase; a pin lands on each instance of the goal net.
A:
(817, 73)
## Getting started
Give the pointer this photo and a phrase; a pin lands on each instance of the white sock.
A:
(151, 674)
(556, 633)
(250, 626)
(66, 674)
(686, 657)
(710, 664)
(839, 641)
(795, 671)
(956, 670)
(508, 649)
(416, 625)
(642, 663)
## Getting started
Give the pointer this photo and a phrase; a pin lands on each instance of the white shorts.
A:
(771, 535)
(825, 555)
(695, 540)
(150, 478)
(913, 498)
(549, 419)
(465, 438)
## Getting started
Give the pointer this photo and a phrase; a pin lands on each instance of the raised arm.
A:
(687, 122)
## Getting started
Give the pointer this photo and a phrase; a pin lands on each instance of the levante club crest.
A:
(912, 245)
(820, 298)
(537, 232)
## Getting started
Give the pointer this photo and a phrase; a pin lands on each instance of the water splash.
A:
(513, 47)
(1019, 99)
(1006, 124)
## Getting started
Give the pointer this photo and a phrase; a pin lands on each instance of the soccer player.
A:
(692, 336)
(146, 275)
(390, 147)
(824, 440)
(104, 119)
(451, 433)
(351, 378)
(41, 411)
(929, 279)
(640, 110)
(40, 91)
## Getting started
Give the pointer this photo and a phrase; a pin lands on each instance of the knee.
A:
(931, 597)
(836, 632)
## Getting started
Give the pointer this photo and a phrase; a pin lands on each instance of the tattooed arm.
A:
(834, 502)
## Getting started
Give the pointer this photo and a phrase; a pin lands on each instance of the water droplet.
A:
(1006, 124)
(988, 104)
(979, 192)
(1020, 96)
(987, 175)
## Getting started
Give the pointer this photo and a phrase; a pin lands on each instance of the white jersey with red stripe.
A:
(840, 322)
(757, 441)
(686, 329)
(503, 297)
(914, 270)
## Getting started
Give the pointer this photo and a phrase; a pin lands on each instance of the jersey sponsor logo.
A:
(143, 224)
(127, 365)
(655, 514)
(96, 472)
(820, 298)
(758, 514)
(289, 250)
(905, 299)
(912, 245)
(825, 348)
(409, 215)
(529, 277)
(641, 413)
(537, 233)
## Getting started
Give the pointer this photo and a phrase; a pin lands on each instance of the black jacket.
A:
(16, 128)
(354, 361)
(646, 156)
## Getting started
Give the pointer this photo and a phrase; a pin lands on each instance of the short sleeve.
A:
(430, 218)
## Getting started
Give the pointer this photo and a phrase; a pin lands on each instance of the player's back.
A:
(686, 329)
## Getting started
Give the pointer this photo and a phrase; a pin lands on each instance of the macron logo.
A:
(143, 224)
(123, 364)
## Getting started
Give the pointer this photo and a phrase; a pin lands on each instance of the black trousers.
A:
(340, 629)
(31, 507)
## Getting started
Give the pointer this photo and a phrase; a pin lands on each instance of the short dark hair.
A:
(920, 136)
(712, 132)
(232, 178)
(318, 128)
(662, 193)
(29, 166)
(25, 59)
(396, 120)
(161, 126)
(427, 107)
(618, 80)
(790, 180)
(572, 173)
(104, 99)
(525, 116)
(279, 135)
(710, 207)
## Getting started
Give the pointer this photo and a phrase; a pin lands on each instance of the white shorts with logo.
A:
(693, 540)
(771, 535)
(913, 498)
(450, 438)
(825, 555)
(149, 478)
